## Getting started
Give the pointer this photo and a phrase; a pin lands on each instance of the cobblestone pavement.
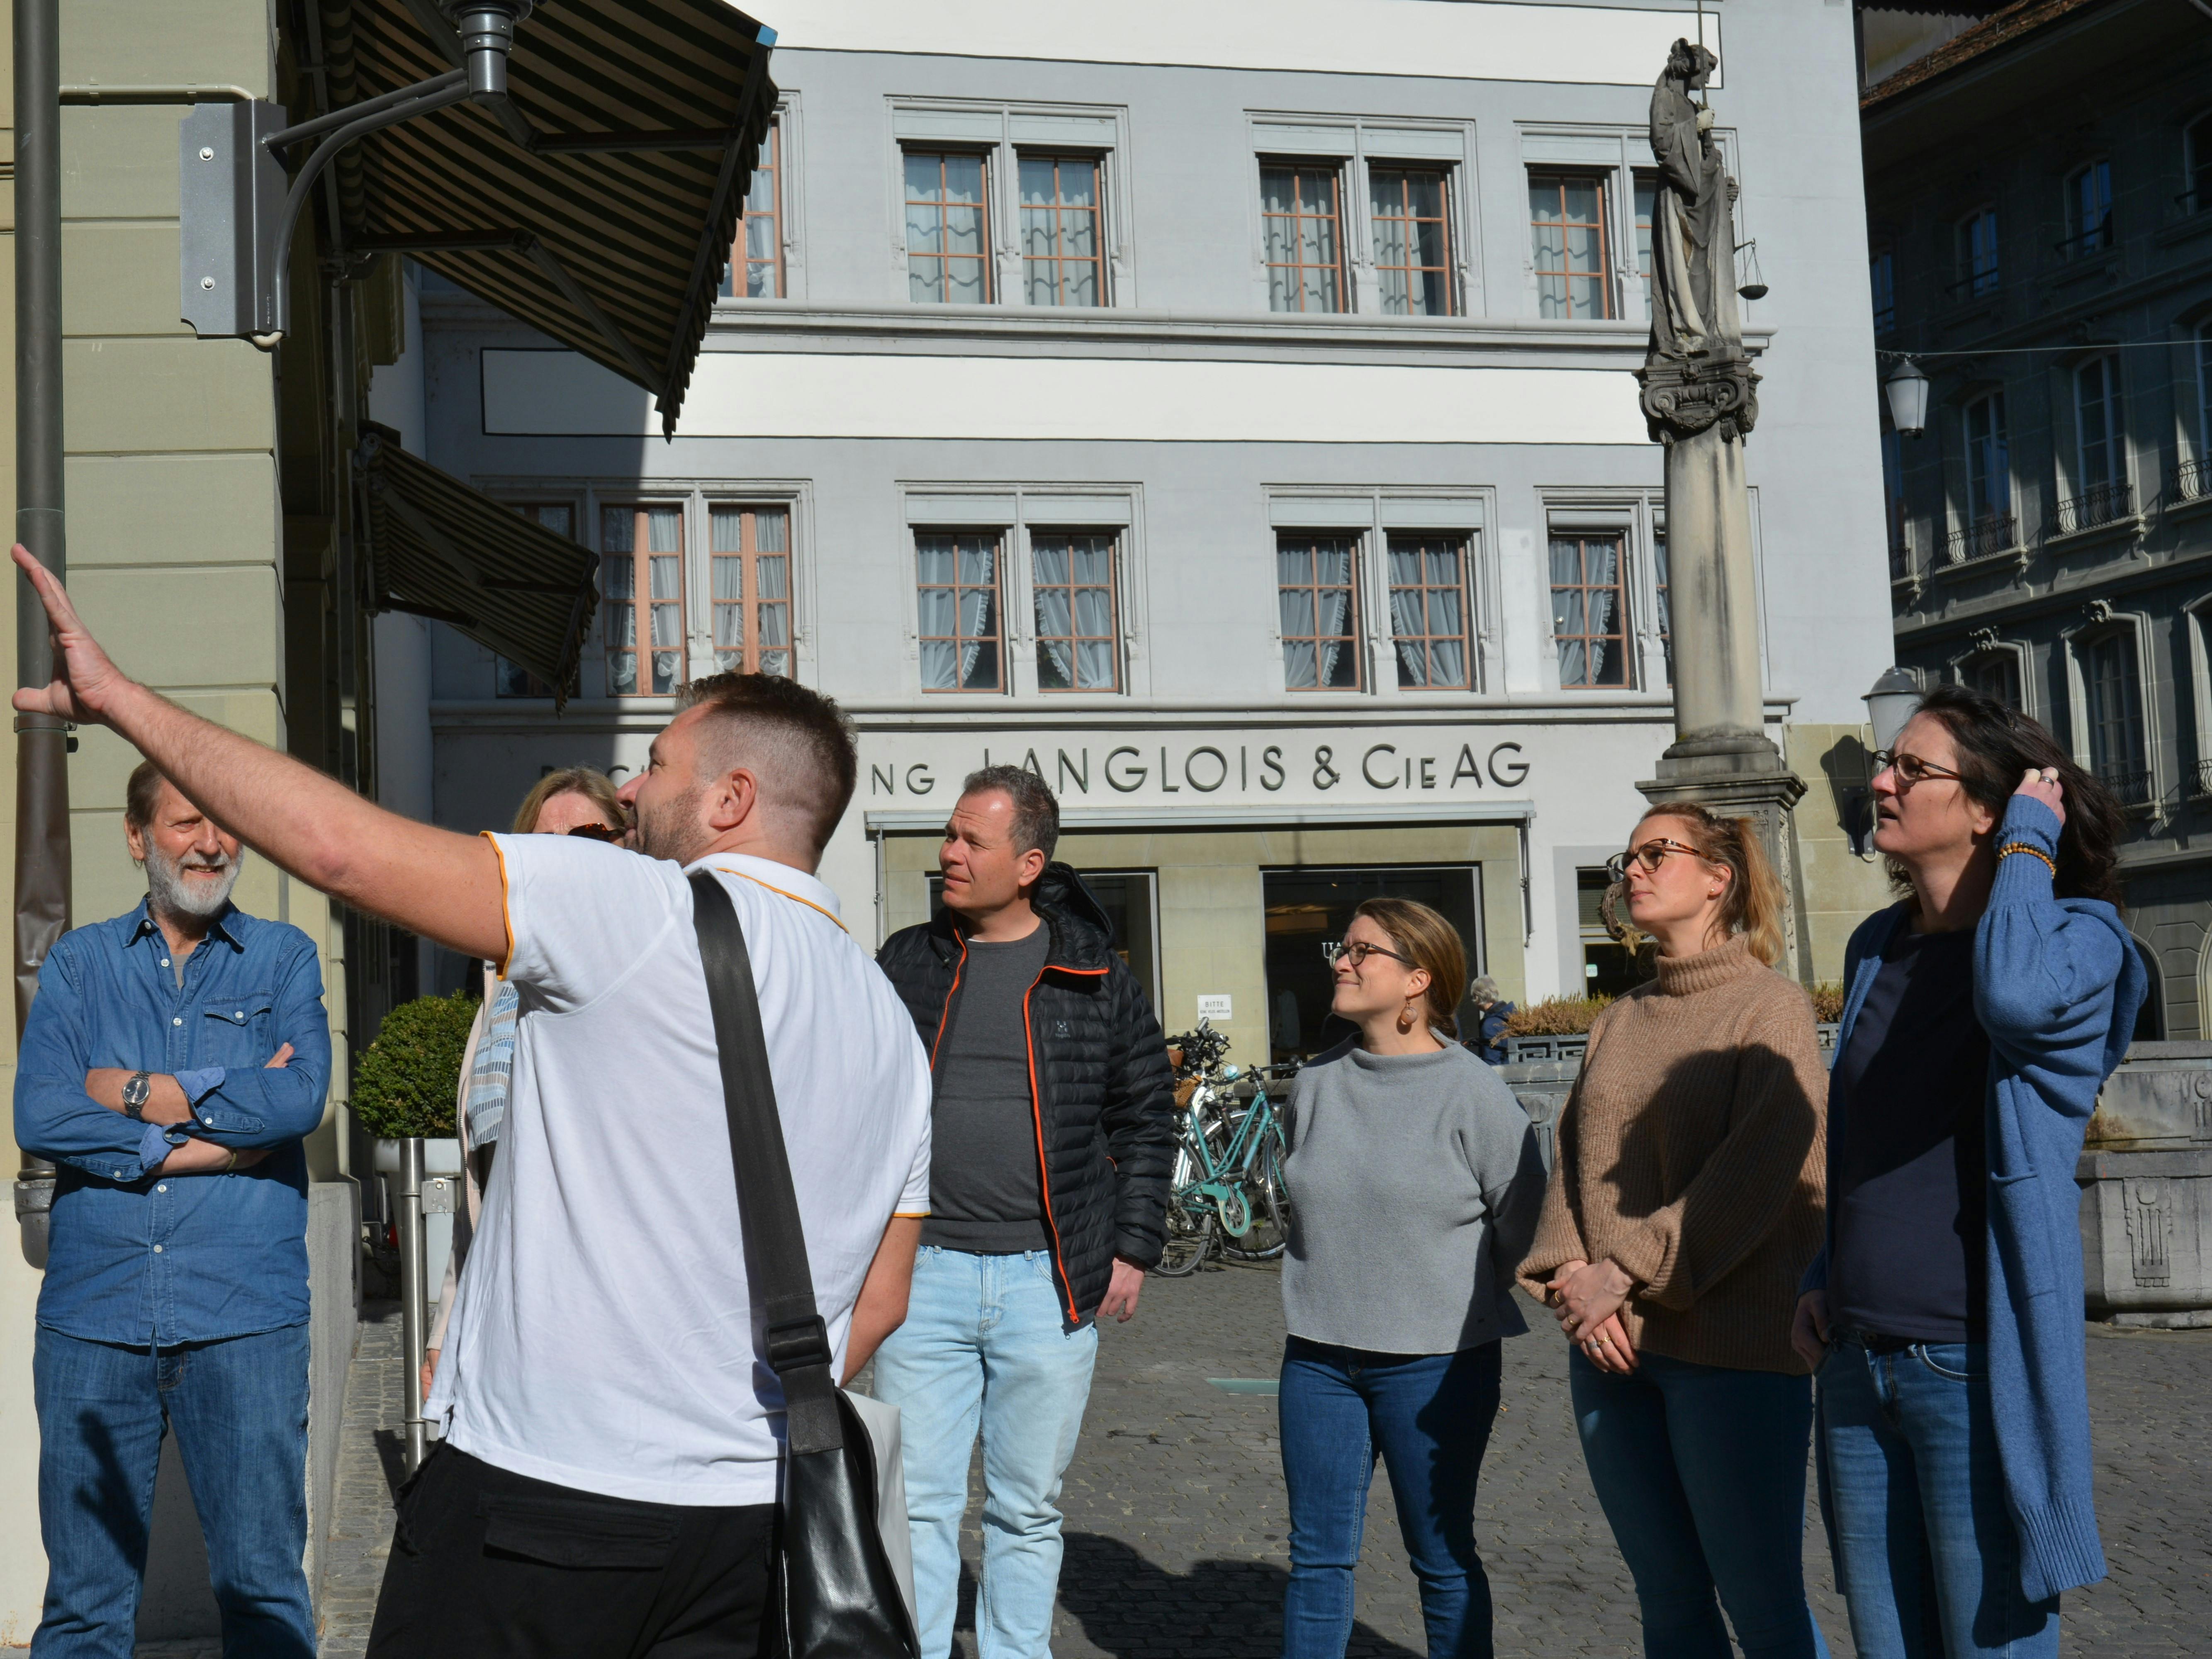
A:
(369, 1469)
(1176, 1522)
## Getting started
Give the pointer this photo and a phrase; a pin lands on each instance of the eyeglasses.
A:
(1650, 855)
(596, 832)
(1910, 768)
(1358, 951)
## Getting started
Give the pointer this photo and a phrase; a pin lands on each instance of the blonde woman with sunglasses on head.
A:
(1685, 1198)
(1415, 1181)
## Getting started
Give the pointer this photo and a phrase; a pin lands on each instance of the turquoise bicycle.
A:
(1225, 1193)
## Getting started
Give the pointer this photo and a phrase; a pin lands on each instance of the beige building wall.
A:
(174, 535)
(1838, 889)
(1213, 920)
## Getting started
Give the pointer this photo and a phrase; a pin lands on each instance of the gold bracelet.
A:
(2012, 846)
(233, 1164)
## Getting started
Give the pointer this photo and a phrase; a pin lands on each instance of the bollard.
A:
(414, 1290)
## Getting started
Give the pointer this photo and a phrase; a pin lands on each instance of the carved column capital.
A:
(1683, 396)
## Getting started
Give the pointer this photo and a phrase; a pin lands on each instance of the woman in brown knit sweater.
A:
(1686, 1199)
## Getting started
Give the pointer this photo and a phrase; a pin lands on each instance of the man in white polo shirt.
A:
(608, 1476)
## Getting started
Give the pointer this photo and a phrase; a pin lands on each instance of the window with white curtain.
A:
(948, 234)
(957, 578)
(642, 569)
(1317, 591)
(1588, 618)
(1428, 612)
(1079, 647)
(751, 551)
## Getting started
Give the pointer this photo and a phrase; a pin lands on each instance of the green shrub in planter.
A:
(409, 1076)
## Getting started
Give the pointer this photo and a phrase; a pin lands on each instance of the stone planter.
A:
(2146, 1179)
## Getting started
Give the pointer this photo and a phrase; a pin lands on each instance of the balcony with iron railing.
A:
(2192, 480)
(2098, 505)
(2130, 785)
(1993, 532)
(2203, 784)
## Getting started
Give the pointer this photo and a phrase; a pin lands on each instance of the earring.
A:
(1406, 1019)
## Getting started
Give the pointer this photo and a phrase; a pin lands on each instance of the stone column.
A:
(1722, 757)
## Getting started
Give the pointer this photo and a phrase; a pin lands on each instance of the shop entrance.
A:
(1308, 908)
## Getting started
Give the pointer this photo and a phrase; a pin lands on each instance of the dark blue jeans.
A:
(239, 1410)
(1701, 1472)
(1925, 1548)
(1429, 1417)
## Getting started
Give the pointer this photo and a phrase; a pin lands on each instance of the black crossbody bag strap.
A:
(776, 1267)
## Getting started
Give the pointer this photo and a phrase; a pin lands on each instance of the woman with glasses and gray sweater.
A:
(1415, 1182)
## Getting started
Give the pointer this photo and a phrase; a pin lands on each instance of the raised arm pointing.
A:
(444, 886)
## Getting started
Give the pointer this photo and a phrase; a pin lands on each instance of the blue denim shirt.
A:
(137, 1257)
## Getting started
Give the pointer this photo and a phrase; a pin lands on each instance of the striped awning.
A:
(598, 204)
(439, 548)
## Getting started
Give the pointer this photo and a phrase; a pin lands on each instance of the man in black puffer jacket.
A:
(1052, 1137)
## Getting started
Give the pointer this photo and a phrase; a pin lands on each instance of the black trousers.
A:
(485, 1563)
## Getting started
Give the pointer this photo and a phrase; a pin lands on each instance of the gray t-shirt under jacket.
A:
(1415, 1184)
(983, 1192)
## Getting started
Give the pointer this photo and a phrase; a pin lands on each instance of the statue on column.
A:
(1695, 373)
(1698, 396)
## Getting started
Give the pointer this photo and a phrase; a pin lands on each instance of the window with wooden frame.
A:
(948, 228)
(1063, 249)
(1588, 609)
(1645, 189)
(1319, 607)
(511, 679)
(1569, 245)
(1412, 224)
(1428, 612)
(1079, 645)
(641, 578)
(756, 256)
(750, 551)
(957, 579)
(1302, 224)
(1661, 582)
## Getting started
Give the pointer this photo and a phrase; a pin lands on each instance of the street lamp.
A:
(1906, 388)
(1890, 704)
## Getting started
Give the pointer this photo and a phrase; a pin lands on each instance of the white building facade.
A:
(1229, 412)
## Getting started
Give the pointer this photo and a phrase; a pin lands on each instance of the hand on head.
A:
(2043, 785)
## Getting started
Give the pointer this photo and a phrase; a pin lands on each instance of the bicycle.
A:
(1226, 1190)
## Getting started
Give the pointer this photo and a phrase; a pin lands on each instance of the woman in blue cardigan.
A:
(1981, 1017)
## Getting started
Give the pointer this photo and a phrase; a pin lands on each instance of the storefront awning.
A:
(597, 203)
(441, 549)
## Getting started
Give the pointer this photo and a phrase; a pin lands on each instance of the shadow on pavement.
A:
(1133, 1608)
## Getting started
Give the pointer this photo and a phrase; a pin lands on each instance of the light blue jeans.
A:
(1925, 1548)
(982, 1348)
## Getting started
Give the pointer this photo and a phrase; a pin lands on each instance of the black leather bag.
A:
(834, 1593)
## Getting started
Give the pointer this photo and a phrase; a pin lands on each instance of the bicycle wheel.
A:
(1190, 1229)
(1270, 1203)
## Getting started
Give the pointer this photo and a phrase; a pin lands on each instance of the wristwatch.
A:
(136, 1093)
